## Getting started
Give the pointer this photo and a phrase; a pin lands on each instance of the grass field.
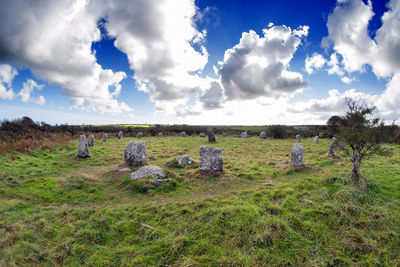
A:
(56, 209)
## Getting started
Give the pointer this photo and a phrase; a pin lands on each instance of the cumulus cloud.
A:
(27, 89)
(213, 97)
(54, 39)
(259, 66)
(315, 62)
(7, 74)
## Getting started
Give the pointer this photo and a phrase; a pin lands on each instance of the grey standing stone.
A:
(210, 134)
(316, 139)
(105, 137)
(184, 160)
(210, 159)
(135, 153)
(202, 135)
(331, 152)
(83, 149)
(160, 134)
(298, 138)
(143, 172)
(120, 135)
(183, 134)
(139, 135)
(91, 140)
(263, 135)
(297, 155)
(243, 135)
(224, 134)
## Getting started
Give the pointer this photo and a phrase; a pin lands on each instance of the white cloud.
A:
(347, 80)
(54, 39)
(213, 97)
(315, 62)
(259, 66)
(7, 74)
(27, 89)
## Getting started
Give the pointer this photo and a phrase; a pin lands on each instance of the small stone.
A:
(125, 170)
(184, 160)
(298, 138)
(263, 135)
(139, 135)
(158, 182)
(143, 172)
(210, 159)
(83, 149)
(316, 139)
(105, 137)
(210, 134)
(243, 135)
(91, 140)
(160, 134)
(297, 155)
(202, 135)
(183, 134)
(331, 152)
(120, 135)
(135, 153)
(224, 134)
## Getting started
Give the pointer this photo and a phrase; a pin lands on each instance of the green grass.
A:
(56, 209)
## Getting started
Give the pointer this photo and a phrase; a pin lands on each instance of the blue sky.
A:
(197, 62)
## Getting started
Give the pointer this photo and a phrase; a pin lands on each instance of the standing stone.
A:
(210, 159)
(243, 135)
(184, 160)
(91, 140)
(224, 134)
(316, 139)
(120, 135)
(298, 138)
(183, 134)
(211, 137)
(83, 149)
(297, 155)
(135, 153)
(160, 134)
(139, 135)
(263, 135)
(331, 152)
(202, 135)
(105, 137)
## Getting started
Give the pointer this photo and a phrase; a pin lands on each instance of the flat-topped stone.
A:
(184, 160)
(297, 155)
(146, 171)
(210, 159)
(183, 134)
(263, 135)
(160, 134)
(202, 135)
(139, 135)
(243, 135)
(135, 153)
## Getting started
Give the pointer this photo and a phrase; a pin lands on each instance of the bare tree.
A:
(362, 134)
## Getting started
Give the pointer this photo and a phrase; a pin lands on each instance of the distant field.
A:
(122, 125)
(56, 209)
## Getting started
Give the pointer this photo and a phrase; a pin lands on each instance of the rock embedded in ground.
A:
(316, 139)
(297, 156)
(210, 134)
(139, 135)
(263, 135)
(331, 151)
(146, 171)
(125, 170)
(202, 135)
(243, 135)
(210, 159)
(184, 160)
(298, 138)
(183, 134)
(158, 182)
(135, 153)
(105, 137)
(120, 135)
(160, 134)
(83, 149)
(91, 140)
